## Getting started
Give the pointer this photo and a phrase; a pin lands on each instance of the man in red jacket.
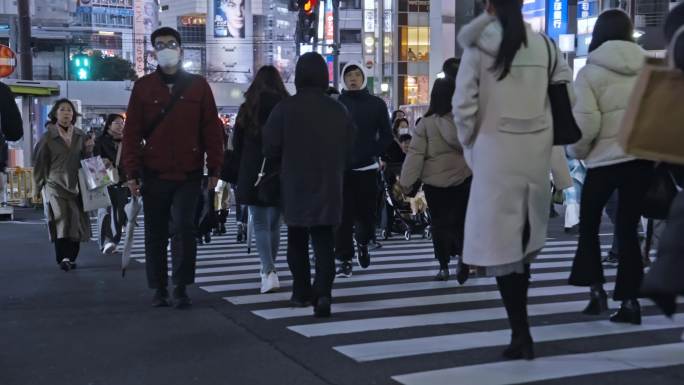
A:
(171, 124)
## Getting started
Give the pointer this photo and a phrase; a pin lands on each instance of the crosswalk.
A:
(394, 318)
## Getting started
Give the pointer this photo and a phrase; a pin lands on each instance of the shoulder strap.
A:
(553, 64)
(184, 83)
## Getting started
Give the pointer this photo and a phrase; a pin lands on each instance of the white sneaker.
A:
(109, 248)
(269, 283)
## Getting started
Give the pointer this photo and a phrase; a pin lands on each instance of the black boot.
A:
(513, 289)
(598, 302)
(463, 273)
(629, 312)
(181, 298)
(322, 308)
(443, 274)
(161, 298)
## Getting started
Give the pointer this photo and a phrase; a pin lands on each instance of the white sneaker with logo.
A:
(269, 283)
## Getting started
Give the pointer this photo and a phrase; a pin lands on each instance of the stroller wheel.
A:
(428, 234)
(385, 234)
(407, 235)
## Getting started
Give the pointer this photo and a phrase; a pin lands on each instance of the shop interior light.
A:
(105, 33)
(384, 87)
(638, 34)
(187, 64)
(441, 75)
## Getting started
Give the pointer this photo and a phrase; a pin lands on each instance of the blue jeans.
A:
(267, 233)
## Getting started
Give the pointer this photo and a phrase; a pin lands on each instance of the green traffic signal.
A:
(80, 66)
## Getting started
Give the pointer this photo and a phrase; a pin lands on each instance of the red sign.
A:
(8, 61)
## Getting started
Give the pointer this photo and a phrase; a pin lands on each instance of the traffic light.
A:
(80, 66)
(308, 20)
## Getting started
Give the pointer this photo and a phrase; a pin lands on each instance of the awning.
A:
(32, 88)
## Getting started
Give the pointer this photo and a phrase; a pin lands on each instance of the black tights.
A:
(66, 248)
(513, 288)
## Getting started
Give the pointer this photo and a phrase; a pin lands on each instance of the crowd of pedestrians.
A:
(482, 156)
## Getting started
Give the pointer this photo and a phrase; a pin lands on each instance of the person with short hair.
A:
(373, 136)
(56, 163)
(167, 170)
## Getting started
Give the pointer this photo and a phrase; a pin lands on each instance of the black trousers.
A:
(322, 238)
(358, 212)
(113, 219)
(169, 208)
(66, 248)
(631, 180)
(447, 210)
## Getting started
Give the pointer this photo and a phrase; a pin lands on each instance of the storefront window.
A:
(415, 90)
(415, 44)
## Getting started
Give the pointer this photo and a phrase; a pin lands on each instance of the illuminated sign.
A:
(557, 18)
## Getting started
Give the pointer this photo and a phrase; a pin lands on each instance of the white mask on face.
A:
(403, 131)
(168, 57)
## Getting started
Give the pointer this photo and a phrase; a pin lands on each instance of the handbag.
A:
(268, 186)
(661, 192)
(565, 129)
(653, 125)
(92, 199)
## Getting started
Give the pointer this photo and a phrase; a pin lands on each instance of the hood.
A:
(623, 57)
(363, 69)
(483, 32)
(311, 72)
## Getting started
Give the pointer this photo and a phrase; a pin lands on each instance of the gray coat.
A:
(312, 135)
(55, 172)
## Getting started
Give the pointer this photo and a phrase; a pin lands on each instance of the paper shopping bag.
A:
(92, 199)
(653, 125)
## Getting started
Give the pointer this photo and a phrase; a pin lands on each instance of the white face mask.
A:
(403, 131)
(168, 57)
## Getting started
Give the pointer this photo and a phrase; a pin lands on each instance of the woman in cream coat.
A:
(603, 89)
(505, 125)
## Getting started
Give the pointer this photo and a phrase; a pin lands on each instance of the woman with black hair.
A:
(507, 142)
(263, 94)
(435, 156)
(56, 161)
(110, 220)
(603, 88)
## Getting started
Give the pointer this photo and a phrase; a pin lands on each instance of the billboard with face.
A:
(230, 56)
(229, 18)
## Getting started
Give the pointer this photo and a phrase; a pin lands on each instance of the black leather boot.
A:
(629, 312)
(513, 289)
(598, 302)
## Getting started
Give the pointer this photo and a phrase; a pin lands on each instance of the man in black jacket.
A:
(373, 136)
(12, 127)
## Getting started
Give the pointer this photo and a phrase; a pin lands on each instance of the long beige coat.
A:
(505, 128)
(55, 171)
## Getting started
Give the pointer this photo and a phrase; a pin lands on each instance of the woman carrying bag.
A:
(435, 156)
(57, 160)
(264, 93)
(111, 220)
(602, 91)
(507, 142)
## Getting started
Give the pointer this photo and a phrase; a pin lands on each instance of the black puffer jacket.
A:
(11, 123)
(373, 130)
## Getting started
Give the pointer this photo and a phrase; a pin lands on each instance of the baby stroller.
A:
(401, 216)
(205, 216)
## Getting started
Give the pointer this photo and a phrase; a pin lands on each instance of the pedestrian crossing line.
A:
(253, 260)
(375, 351)
(554, 367)
(394, 288)
(242, 248)
(414, 302)
(353, 279)
(442, 318)
(284, 271)
(282, 251)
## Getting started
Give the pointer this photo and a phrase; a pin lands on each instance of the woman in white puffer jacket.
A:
(603, 89)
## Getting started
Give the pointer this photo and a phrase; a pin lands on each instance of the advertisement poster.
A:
(230, 56)
(139, 37)
(229, 18)
(151, 22)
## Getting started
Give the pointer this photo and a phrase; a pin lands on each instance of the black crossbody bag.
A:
(184, 82)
